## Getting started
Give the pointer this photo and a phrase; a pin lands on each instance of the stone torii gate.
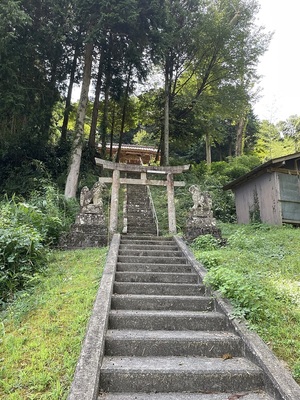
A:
(143, 170)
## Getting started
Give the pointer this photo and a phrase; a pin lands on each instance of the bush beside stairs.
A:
(165, 338)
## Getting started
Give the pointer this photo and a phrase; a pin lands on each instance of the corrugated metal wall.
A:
(289, 197)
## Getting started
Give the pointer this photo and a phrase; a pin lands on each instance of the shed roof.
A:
(261, 169)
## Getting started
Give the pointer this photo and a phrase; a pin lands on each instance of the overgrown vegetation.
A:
(27, 230)
(42, 329)
(211, 179)
(259, 271)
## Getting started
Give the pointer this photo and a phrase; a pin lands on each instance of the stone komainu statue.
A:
(93, 196)
(202, 200)
(200, 220)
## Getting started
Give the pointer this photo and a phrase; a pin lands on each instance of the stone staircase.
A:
(165, 338)
(140, 218)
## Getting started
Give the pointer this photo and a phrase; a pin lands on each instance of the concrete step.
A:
(148, 231)
(143, 206)
(167, 320)
(154, 241)
(150, 253)
(140, 219)
(131, 239)
(143, 224)
(137, 193)
(134, 189)
(257, 395)
(156, 302)
(178, 374)
(143, 201)
(143, 239)
(139, 213)
(182, 268)
(146, 225)
(140, 239)
(184, 289)
(171, 343)
(141, 228)
(153, 247)
(151, 260)
(156, 277)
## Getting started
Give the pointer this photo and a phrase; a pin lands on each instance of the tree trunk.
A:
(108, 73)
(104, 123)
(112, 128)
(208, 149)
(158, 153)
(240, 133)
(73, 175)
(166, 133)
(92, 136)
(68, 107)
(124, 114)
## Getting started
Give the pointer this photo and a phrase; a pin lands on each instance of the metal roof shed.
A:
(270, 192)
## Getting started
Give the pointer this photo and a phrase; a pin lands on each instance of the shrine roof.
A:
(133, 147)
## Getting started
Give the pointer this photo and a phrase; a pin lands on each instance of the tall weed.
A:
(21, 255)
(27, 229)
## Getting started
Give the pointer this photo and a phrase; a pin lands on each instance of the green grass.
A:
(42, 331)
(259, 270)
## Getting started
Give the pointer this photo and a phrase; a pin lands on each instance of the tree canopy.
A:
(205, 54)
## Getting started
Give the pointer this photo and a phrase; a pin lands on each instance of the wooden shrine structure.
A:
(143, 170)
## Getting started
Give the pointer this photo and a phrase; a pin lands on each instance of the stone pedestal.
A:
(200, 220)
(90, 227)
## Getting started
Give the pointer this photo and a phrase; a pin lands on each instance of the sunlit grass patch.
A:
(259, 271)
(43, 329)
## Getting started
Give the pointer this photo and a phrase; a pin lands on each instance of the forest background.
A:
(178, 75)
(175, 74)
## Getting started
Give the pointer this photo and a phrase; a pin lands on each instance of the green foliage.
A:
(270, 142)
(211, 180)
(58, 212)
(259, 271)
(246, 297)
(296, 371)
(21, 255)
(48, 212)
(205, 243)
(27, 229)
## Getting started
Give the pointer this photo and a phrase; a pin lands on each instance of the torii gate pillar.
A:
(113, 221)
(171, 204)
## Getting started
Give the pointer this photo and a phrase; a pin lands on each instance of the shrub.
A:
(27, 229)
(205, 243)
(21, 255)
(58, 212)
(245, 293)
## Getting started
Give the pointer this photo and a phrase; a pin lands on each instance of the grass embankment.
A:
(259, 270)
(42, 331)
